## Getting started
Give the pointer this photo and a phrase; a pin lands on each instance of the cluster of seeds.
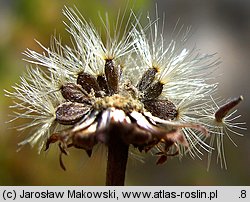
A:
(138, 88)
(95, 104)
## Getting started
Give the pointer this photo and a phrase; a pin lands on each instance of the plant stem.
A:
(117, 159)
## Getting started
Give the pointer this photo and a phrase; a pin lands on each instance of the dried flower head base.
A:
(137, 89)
(118, 118)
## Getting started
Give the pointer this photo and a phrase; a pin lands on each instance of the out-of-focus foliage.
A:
(22, 21)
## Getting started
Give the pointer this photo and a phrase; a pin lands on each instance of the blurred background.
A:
(218, 26)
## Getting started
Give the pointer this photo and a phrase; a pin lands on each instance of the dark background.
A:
(221, 26)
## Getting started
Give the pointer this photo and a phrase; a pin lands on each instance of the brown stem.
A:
(117, 159)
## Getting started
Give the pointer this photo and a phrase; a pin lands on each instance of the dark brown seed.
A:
(88, 82)
(112, 74)
(102, 82)
(153, 91)
(74, 93)
(163, 109)
(71, 112)
(224, 109)
(147, 79)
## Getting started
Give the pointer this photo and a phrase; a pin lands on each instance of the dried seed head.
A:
(152, 90)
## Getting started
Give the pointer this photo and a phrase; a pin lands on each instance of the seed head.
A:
(153, 90)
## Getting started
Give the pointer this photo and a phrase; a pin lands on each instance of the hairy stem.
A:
(117, 159)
